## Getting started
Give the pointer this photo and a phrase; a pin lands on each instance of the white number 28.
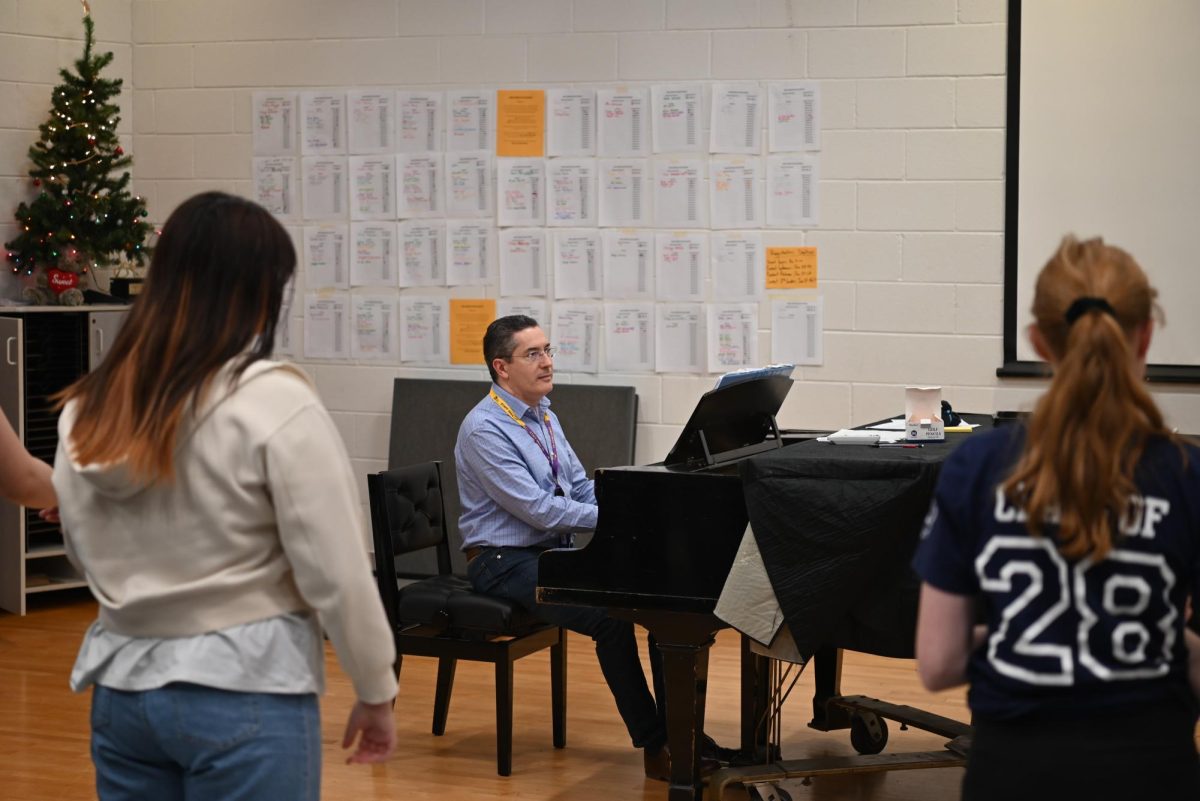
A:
(1120, 608)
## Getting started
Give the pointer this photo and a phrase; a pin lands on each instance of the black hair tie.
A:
(1083, 305)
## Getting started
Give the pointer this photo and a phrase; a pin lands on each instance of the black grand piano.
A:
(664, 543)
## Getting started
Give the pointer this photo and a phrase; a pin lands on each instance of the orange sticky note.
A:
(520, 122)
(791, 268)
(469, 319)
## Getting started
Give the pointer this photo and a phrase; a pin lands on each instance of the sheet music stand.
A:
(731, 423)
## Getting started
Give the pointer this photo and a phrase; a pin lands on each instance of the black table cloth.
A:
(837, 526)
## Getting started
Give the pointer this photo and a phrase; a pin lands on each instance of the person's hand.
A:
(50, 514)
(375, 729)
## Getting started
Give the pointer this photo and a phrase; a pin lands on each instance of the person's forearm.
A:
(32, 486)
(1193, 647)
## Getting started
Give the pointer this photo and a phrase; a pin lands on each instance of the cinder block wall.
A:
(912, 166)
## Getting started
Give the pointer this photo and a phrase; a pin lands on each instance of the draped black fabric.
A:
(837, 526)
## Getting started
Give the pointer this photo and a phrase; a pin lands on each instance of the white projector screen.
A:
(1104, 140)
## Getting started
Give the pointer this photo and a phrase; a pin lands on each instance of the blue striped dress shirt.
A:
(505, 482)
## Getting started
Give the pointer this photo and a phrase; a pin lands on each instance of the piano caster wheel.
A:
(868, 732)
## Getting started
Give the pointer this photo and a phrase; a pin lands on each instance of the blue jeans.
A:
(184, 741)
(512, 573)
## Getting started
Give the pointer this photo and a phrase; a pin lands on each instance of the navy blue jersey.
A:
(1068, 635)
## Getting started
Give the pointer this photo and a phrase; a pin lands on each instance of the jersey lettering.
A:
(1141, 518)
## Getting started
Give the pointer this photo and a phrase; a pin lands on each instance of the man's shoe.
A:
(658, 764)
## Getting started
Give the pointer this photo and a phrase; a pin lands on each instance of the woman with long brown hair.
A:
(207, 497)
(1074, 543)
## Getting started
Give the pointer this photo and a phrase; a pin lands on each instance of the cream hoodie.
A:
(262, 518)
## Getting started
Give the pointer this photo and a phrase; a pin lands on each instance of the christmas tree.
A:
(82, 216)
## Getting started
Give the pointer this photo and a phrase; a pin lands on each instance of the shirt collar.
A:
(518, 406)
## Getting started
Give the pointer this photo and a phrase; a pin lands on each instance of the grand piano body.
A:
(665, 540)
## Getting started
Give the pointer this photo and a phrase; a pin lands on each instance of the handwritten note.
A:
(520, 122)
(469, 319)
(791, 268)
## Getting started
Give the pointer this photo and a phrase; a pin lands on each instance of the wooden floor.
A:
(44, 727)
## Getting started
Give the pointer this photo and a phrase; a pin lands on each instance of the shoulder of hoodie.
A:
(265, 396)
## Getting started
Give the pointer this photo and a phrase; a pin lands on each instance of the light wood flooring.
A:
(44, 727)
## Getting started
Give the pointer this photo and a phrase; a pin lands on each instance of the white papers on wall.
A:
(680, 259)
(326, 256)
(732, 336)
(418, 121)
(736, 118)
(469, 184)
(274, 121)
(520, 198)
(735, 192)
(623, 122)
(677, 118)
(797, 331)
(679, 338)
(678, 198)
(793, 121)
(323, 123)
(326, 326)
(373, 254)
(792, 198)
(470, 120)
(737, 266)
(577, 335)
(324, 187)
(424, 329)
(628, 264)
(522, 261)
(375, 333)
(373, 187)
(276, 185)
(570, 122)
(572, 192)
(372, 118)
(470, 252)
(623, 192)
(576, 264)
(420, 184)
(421, 253)
(530, 307)
(629, 337)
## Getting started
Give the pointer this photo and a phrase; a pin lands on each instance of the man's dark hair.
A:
(498, 339)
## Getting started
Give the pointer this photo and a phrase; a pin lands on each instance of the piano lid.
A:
(731, 422)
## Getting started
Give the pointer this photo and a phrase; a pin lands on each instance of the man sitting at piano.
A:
(523, 491)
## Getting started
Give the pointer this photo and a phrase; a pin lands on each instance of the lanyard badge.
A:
(551, 455)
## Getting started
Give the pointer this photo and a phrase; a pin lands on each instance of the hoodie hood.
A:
(116, 480)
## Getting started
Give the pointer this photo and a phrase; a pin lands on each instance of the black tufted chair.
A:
(442, 616)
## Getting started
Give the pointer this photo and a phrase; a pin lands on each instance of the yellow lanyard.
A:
(552, 454)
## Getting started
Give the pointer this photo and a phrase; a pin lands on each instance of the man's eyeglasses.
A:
(535, 356)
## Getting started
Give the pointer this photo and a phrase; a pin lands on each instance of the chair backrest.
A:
(599, 421)
(407, 514)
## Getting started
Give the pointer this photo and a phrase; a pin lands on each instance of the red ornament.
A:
(37, 181)
(119, 151)
(61, 280)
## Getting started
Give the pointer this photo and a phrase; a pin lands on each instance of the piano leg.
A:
(827, 664)
(684, 640)
(756, 746)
